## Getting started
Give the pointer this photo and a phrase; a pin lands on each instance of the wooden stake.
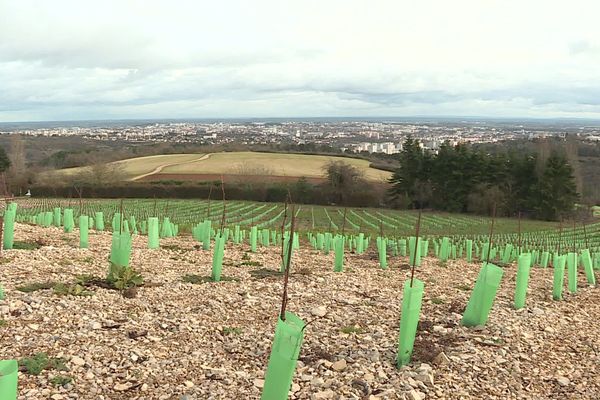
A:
(224, 205)
(414, 261)
(286, 277)
(491, 233)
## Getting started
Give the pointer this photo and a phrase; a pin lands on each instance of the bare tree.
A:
(18, 171)
(572, 154)
(343, 180)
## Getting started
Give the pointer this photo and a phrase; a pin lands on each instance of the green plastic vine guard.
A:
(83, 231)
(217, 262)
(56, 217)
(382, 250)
(206, 234)
(402, 247)
(338, 245)
(545, 259)
(68, 222)
(507, 254)
(284, 357)
(253, 238)
(8, 237)
(424, 247)
(360, 241)
(469, 249)
(8, 379)
(153, 236)
(120, 249)
(99, 221)
(572, 272)
(559, 276)
(411, 311)
(524, 265)
(483, 295)
(286, 251)
(586, 260)
(414, 260)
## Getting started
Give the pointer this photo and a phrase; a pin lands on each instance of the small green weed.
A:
(35, 286)
(85, 279)
(466, 288)
(172, 247)
(20, 245)
(3, 323)
(252, 263)
(437, 300)
(231, 331)
(61, 380)
(195, 279)
(40, 362)
(75, 289)
(351, 329)
(65, 262)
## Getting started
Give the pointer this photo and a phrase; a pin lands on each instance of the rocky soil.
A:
(177, 340)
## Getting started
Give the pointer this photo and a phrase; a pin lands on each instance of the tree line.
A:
(459, 178)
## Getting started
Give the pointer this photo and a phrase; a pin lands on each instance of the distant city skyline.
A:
(68, 60)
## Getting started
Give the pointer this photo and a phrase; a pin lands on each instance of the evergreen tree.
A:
(4, 160)
(556, 190)
(409, 178)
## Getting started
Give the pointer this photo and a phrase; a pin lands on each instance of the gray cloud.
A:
(140, 59)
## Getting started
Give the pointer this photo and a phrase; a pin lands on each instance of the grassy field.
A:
(279, 164)
(207, 166)
(134, 167)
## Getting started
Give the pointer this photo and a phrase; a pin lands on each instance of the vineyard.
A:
(178, 299)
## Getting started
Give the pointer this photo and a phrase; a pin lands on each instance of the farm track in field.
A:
(158, 169)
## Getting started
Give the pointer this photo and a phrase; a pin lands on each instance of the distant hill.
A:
(254, 165)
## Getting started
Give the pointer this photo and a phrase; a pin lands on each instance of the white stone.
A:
(339, 365)
(78, 361)
(319, 311)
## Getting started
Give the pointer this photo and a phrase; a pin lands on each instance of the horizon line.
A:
(423, 117)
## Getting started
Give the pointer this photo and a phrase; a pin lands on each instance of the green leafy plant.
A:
(124, 277)
(62, 289)
(437, 300)
(3, 323)
(85, 279)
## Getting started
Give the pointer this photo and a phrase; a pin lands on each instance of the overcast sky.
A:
(68, 60)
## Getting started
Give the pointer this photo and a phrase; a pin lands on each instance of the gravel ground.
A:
(178, 340)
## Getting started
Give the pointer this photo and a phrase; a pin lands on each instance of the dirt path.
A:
(163, 166)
